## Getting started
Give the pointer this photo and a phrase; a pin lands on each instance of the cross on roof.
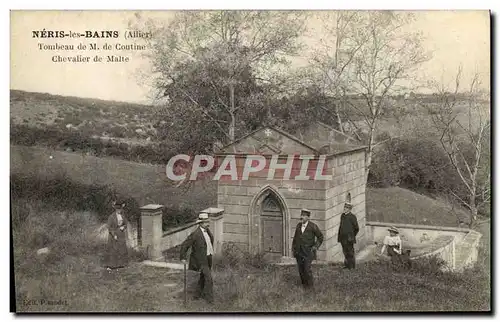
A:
(268, 132)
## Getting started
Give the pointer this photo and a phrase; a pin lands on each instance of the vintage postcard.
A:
(250, 161)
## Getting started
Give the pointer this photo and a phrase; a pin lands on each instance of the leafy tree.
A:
(209, 62)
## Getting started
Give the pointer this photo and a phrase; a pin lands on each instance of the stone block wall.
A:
(325, 199)
(236, 199)
(176, 236)
(349, 182)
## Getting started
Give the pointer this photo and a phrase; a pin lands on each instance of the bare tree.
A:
(382, 65)
(336, 51)
(464, 124)
(373, 59)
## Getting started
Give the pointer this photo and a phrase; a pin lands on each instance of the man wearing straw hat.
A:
(348, 230)
(201, 243)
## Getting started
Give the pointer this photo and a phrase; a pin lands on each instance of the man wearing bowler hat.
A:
(348, 230)
(307, 239)
(201, 243)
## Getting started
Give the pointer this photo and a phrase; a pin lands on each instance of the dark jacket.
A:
(198, 246)
(348, 228)
(303, 243)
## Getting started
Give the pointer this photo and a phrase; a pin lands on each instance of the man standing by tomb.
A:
(201, 243)
(348, 230)
(306, 241)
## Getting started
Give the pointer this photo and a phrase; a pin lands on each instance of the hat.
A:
(305, 212)
(393, 229)
(202, 217)
(348, 205)
(119, 204)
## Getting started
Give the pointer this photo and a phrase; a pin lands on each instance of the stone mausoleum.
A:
(260, 214)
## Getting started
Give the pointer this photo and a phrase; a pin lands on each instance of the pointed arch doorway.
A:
(269, 224)
(271, 221)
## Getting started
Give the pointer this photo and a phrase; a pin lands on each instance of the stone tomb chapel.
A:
(260, 215)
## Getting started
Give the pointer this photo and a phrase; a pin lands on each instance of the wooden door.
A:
(272, 227)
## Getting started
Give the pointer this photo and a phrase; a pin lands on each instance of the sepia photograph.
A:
(250, 161)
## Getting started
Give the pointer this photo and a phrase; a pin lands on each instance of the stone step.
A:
(171, 265)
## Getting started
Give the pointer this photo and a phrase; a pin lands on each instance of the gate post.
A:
(217, 227)
(151, 230)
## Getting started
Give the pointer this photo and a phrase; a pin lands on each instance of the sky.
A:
(454, 37)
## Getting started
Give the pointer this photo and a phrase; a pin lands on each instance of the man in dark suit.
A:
(348, 230)
(201, 243)
(307, 239)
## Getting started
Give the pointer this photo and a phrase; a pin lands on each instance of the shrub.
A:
(63, 139)
(429, 265)
(234, 257)
(416, 164)
(61, 193)
(176, 216)
(117, 131)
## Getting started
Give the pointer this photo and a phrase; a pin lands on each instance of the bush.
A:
(175, 216)
(234, 257)
(430, 265)
(61, 193)
(117, 131)
(416, 164)
(63, 139)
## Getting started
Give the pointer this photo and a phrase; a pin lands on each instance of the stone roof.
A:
(318, 139)
(327, 140)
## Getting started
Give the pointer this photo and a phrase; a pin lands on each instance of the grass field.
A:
(146, 183)
(398, 205)
(371, 287)
(72, 277)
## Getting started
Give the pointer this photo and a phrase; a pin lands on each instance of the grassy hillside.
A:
(148, 184)
(133, 122)
(399, 205)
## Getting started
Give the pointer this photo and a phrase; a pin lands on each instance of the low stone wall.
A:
(467, 250)
(414, 235)
(456, 246)
(175, 236)
(154, 242)
(443, 247)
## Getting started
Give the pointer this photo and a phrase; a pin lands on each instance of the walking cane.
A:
(185, 284)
